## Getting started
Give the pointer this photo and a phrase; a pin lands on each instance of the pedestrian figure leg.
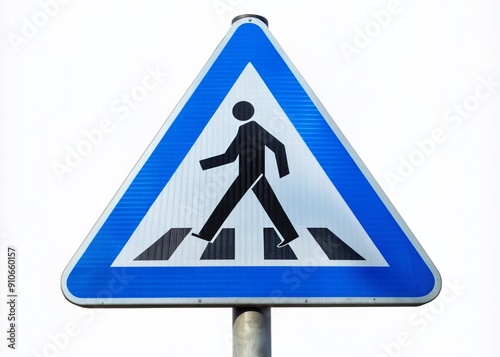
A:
(226, 205)
(274, 210)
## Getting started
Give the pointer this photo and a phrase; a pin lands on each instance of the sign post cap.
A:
(261, 18)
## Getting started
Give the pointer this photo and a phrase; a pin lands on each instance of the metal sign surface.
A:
(250, 194)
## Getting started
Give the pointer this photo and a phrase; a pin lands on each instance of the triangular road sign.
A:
(250, 194)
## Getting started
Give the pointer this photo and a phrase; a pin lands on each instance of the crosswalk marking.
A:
(222, 248)
(164, 247)
(333, 246)
(271, 250)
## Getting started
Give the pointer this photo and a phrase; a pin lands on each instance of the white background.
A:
(61, 74)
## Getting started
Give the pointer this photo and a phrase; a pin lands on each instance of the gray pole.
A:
(251, 332)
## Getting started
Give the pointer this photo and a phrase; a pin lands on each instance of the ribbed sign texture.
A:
(250, 194)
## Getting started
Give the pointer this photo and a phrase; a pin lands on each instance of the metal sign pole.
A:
(251, 332)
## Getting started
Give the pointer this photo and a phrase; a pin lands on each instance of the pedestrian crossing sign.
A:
(250, 194)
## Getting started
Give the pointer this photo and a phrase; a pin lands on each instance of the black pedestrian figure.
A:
(249, 144)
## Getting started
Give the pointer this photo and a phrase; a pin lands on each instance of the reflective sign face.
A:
(252, 189)
(250, 195)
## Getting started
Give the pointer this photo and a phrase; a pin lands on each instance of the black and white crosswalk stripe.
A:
(333, 246)
(223, 246)
(271, 250)
(164, 247)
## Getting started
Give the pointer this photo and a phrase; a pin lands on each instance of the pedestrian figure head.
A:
(243, 110)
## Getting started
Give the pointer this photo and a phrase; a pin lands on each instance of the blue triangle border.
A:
(410, 278)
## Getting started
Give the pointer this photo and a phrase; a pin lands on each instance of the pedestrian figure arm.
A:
(281, 160)
(229, 156)
(279, 152)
